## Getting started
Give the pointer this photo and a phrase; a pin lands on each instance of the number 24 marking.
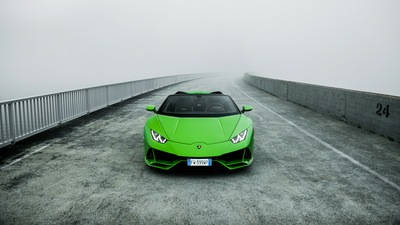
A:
(382, 110)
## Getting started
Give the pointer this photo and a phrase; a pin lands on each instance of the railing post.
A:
(87, 101)
(108, 98)
(59, 119)
(12, 121)
(2, 126)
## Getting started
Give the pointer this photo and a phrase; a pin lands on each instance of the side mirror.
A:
(151, 108)
(246, 108)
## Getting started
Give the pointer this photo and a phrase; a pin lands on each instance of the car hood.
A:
(199, 130)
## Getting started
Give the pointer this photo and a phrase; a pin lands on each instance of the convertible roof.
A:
(198, 92)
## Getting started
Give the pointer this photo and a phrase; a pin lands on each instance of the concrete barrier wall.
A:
(374, 112)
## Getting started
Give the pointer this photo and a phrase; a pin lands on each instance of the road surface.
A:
(308, 169)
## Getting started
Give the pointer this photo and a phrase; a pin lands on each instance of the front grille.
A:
(237, 155)
(238, 158)
(242, 154)
(164, 156)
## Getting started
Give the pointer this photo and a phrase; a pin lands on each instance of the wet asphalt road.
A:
(308, 169)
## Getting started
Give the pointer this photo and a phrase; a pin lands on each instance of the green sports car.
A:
(198, 129)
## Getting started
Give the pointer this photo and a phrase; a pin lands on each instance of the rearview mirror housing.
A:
(246, 108)
(151, 108)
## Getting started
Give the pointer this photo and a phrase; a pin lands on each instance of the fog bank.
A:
(49, 46)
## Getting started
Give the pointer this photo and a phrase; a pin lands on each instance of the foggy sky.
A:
(52, 45)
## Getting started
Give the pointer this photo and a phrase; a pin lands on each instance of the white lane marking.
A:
(29, 154)
(364, 167)
(258, 116)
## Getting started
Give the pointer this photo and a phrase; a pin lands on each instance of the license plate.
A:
(199, 162)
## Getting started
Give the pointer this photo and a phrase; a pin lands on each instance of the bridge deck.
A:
(308, 168)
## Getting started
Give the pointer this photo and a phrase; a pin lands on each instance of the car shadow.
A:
(196, 172)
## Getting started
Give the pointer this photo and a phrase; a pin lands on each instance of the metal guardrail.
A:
(23, 118)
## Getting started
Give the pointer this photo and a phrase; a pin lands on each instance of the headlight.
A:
(157, 137)
(240, 137)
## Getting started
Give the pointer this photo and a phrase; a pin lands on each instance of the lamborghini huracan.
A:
(192, 129)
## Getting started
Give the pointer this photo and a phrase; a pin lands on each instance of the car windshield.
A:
(198, 105)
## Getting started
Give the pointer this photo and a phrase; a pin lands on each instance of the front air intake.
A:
(150, 154)
(247, 155)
